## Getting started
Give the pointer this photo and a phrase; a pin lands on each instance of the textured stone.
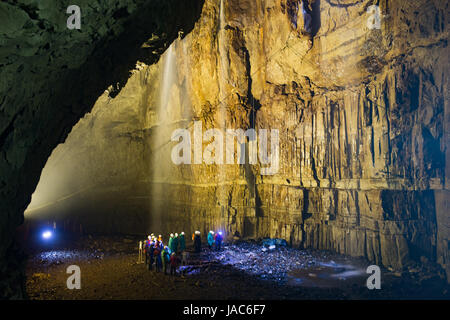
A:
(50, 76)
(363, 120)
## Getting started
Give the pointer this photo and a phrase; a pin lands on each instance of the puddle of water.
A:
(328, 275)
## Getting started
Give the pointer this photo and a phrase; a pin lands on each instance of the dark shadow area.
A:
(315, 15)
(111, 270)
(67, 95)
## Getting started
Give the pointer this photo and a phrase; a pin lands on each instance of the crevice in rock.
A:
(315, 15)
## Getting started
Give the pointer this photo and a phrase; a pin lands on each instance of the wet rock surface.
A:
(282, 264)
(243, 270)
(362, 116)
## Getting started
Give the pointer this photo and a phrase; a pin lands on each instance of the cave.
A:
(298, 129)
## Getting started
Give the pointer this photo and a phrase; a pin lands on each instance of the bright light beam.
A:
(47, 234)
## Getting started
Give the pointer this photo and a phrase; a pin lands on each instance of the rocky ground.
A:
(243, 270)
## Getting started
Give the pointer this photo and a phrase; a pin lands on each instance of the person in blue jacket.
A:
(218, 239)
(210, 239)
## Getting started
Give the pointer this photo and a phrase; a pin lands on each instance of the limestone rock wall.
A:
(362, 115)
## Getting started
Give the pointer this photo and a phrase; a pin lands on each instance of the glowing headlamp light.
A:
(47, 234)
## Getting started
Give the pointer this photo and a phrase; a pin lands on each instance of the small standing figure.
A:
(173, 264)
(210, 239)
(182, 242)
(218, 238)
(140, 253)
(197, 241)
(165, 258)
(157, 255)
(171, 242)
(150, 253)
(175, 243)
(147, 249)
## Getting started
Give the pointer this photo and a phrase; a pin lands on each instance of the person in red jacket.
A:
(173, 263)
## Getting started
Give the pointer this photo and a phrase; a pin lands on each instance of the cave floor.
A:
(109, 270)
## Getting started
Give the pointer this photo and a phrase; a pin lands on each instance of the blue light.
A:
(47, 234)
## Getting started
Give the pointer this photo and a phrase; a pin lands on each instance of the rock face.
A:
(50, 76)
(363, 120)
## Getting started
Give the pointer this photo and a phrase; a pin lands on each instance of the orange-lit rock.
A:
(363, 120)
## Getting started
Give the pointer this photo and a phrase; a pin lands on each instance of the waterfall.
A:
(222, 16)
(223, 68)
(160, 151)
(223, 78)
(168, 79)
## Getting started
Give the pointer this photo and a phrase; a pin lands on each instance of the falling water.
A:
(222, 16)
(168, 79)
(223, 68)
(223, 78)
(161, 163)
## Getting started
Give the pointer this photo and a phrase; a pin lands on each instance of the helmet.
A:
(149, 237)
(176, 235)
(171, 235)
(182, 233)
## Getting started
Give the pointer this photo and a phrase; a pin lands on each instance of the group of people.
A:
(215, 239)
(212, 239)
(163, 257)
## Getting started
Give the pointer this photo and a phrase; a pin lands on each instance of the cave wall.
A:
(363, 119)
(51, 76)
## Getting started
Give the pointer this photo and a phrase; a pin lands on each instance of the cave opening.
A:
(334, 207)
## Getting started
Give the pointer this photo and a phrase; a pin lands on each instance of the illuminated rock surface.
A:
(362, 114)
(363, 126)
